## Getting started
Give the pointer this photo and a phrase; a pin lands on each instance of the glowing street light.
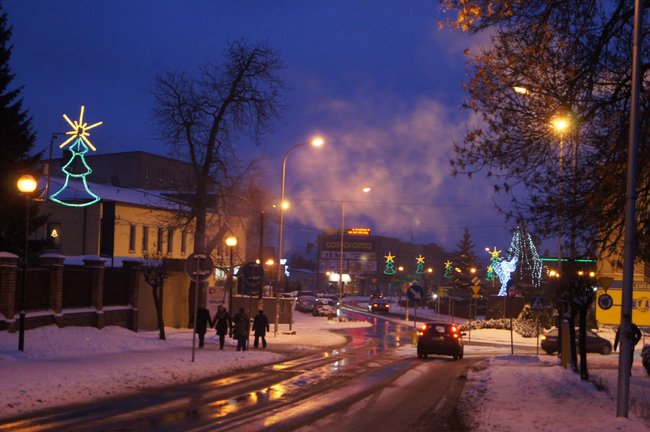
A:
(26, 185)
(560, 123)
(316, 142)
(231, 242)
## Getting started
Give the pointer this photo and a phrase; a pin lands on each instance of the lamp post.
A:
(316, 142)
(231, 242)
(560, 123)
(26, 185)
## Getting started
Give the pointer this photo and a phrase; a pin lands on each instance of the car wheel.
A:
(460, 354)
(606, 350)
(549, 352)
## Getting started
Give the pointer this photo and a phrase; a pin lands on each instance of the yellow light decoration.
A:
(79, 130)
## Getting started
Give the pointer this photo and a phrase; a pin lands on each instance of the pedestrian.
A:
(260, 327)
(202, 321)
(241, 329)
(636, 337)
(223, 324)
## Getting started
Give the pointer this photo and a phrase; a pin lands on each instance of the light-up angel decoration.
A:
(75, 191)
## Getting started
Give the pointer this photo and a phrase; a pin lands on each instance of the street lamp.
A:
(26, 185)
(560, 123)
(231, 242)
(316, 142)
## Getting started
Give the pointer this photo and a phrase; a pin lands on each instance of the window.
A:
(161, 233)
(132, 238)
(170, 240)
(145, 239)
(183, 242)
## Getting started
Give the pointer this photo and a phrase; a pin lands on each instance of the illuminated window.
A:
(132, 238)
(161, 233)
(145, 238)
(183, 242)
(170, 240)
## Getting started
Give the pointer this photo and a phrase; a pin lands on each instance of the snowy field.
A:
(503, 393)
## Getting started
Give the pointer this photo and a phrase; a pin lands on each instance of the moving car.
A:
(440, 338)
(595, 343)
(324, 307)
(376, 295)
(378, 305)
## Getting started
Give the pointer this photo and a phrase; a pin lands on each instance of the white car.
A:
(324, 307)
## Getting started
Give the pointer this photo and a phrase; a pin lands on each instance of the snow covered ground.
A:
(505, 392)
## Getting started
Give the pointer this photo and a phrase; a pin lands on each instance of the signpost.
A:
(537, 305)
(415, 293)
(198, 267)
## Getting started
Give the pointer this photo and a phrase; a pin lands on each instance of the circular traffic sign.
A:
(252, 273)
(605, 301)
(198, 267)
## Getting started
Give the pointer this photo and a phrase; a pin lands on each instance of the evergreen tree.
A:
(16, 141)
(465, 260)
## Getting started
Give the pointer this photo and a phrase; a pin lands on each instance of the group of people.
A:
(237, 327)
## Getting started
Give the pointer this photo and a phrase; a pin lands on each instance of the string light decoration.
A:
(448, 270)
(76, 169)
(419, 268)
(390, 264)
(530, 266)
(504, 270)
(493, 261)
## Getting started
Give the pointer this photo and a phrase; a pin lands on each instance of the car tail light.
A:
(455, 335)
(542, 337)
(424, 327)
(420, 333)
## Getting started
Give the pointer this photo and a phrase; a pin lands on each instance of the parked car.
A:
(305, 303)
(440, 338)
(324, 307)
(378, 305)
(595, 343)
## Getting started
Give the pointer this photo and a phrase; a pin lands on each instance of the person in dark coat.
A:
(202, 321)
(241, 329)
(223, 324)
(260, 327)
(636, 337)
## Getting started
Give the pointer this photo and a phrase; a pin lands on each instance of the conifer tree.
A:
(16, 141)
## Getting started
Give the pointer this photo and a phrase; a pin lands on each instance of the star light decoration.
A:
(448, 269)
(419, 268)
(79, 130)
(390, 264)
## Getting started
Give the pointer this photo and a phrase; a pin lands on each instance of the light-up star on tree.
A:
(493, 263)
(448, 269)
(390, 264)
(419, 268)
(75, 191)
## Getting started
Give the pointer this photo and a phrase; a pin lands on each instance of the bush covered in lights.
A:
(524, 326)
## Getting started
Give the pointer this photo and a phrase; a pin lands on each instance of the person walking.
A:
(223, 324)
(260, 327)
(202, 321)
(636, 337)
(241, 329)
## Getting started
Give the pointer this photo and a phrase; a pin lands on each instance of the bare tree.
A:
(202, 117)
(155, 274)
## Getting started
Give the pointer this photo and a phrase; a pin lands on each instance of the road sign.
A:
(476, 289)
(476, 280)
(605, 282)
(252, 273)
(476, 296)
(537, 304)
(415, 293)
(198, 267)
(605, 301)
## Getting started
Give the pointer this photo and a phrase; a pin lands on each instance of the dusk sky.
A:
(377, 78)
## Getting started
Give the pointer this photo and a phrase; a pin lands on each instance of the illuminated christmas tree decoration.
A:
(75, 191)
(493, 262)
(448, 269)
(390, 264)
(524, 249)
(504, 269)
(490, 273)
(419, 268)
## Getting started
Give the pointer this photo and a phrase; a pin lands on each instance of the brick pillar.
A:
(96, 266)
(54, 264)
(8, 268)
(133, 269)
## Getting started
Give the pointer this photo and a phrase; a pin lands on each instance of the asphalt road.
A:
(368, 384)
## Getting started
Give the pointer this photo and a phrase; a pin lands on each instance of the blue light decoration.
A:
(523, 247)
(419, 268)
(448, 269)
(76, 169)
(390, 264)
(504, 269)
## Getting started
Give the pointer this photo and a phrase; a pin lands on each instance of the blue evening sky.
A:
(377, 78)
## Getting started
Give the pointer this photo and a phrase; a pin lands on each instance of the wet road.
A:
(326, 389)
